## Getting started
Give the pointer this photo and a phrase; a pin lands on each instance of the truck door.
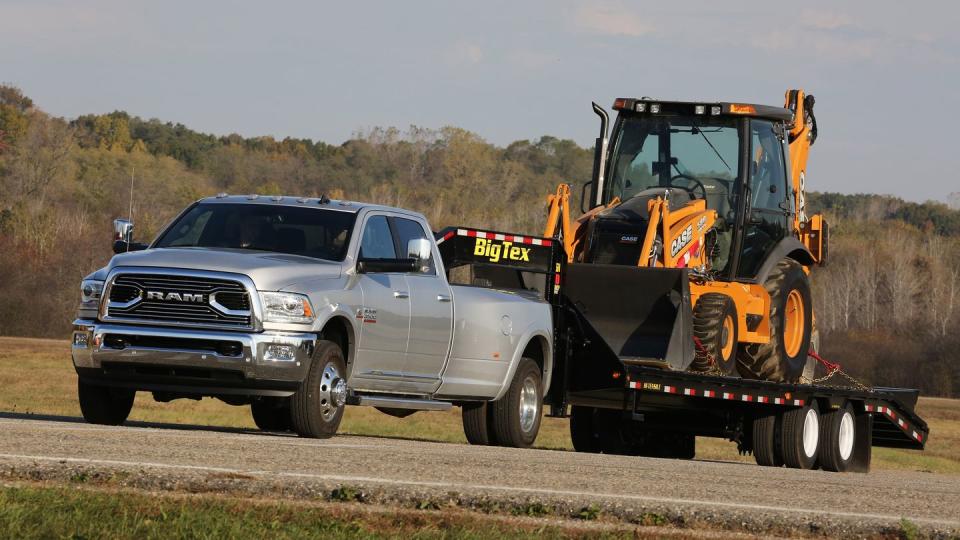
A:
(385, 313)
(431, 308)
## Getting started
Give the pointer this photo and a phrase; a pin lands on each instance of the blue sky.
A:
(886, 74)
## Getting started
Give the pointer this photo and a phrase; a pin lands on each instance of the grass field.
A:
(30, 511)
(37, 377)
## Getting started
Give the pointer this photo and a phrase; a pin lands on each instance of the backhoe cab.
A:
(705, 203)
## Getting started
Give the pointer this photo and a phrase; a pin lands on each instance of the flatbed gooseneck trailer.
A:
(620, 404)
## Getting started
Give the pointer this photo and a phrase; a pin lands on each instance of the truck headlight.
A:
(286, 307)
(90, 291)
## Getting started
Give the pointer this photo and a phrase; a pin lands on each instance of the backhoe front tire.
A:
(316, 409)
(715, 327)
(104, 405)
(783, 358)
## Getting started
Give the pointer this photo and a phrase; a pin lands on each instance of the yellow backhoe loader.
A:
(694, 237)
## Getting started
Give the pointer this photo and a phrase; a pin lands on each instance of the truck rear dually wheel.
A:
(516, 416)
(104, 405)
(317, 407)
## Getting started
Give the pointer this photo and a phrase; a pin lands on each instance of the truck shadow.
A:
(134, 423)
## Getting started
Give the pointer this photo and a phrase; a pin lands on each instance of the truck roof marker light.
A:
(276, 198)
(699, 109)
(640, 107)
(737, 108)
(221, 195)
(619, 103)
(302, 200)
(655, 108)
(252, 196)
(715, 110)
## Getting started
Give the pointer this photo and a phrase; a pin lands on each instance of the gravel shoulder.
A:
(417, 474)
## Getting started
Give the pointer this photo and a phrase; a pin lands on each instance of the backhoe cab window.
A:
(312, 232)
(696, 154)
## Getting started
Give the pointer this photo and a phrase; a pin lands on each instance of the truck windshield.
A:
(312, 232)
(696, 153)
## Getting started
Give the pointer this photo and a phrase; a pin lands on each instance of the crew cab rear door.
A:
(431, 309)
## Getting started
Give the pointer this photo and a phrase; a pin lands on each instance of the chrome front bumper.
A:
(148, 358)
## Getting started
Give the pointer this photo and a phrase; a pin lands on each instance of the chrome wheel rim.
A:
(846, 436)
(330, 387)
(529, 404)
(811, 433)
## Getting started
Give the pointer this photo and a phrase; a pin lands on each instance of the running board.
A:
(400, 403)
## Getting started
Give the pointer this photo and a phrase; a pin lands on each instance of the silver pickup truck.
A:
(300, 306)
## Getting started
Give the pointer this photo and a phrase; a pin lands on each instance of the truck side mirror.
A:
(123, 237)
(122, 230)
(419, 249)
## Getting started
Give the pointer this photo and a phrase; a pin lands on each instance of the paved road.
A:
(395, 470)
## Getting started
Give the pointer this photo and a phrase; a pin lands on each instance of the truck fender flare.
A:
(338, 311)
(790, 248)
(531, 333)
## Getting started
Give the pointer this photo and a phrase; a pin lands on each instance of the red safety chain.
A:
(826, 363)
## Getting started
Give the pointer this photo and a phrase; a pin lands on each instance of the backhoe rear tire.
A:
(715, 326)
(783, 358)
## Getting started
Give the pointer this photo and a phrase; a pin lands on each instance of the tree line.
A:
(886, 304)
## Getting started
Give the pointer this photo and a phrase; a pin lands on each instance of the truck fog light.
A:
(80, 340)
(279, 352)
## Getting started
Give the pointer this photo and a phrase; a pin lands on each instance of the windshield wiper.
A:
(712, 147)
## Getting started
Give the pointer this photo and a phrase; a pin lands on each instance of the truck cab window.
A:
(377, 241)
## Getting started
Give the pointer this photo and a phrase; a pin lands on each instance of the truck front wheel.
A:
(516, 416)
(103, 405)
(271, 414)
(317, 407)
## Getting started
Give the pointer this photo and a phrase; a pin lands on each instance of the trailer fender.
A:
(790, 248)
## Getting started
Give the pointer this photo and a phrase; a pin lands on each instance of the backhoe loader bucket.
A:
(641, 316)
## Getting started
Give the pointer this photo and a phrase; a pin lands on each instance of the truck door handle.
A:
(401, 294)
(443, 298)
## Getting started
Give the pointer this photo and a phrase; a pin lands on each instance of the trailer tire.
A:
(517, 415)
(715, 327)
(104, 405)
(800, 437)
(271, 414)
(766, 442)
(582, 431)
(316, 409)
(838, 437)
(783, 358)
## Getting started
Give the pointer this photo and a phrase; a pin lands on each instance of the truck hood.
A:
(269, 271)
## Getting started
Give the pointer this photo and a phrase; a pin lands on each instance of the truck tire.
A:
(477, 423)
(838, 436)
(800, 437)
(317, 407)
(271, 414)
(783, 358)
(517, 415)
(103, 405)
(715, 326)
(766, 442)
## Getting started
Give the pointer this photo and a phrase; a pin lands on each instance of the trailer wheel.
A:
(715, 327)
(477, 423)
(582, 431)
(766, 447)
(517, 415)
(800, 437)
(317, 407)
(103, 405)
(838, 435)
(271, 414)
(783, 358)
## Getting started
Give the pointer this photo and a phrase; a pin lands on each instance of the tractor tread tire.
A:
(708, 317)
(768, 361)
